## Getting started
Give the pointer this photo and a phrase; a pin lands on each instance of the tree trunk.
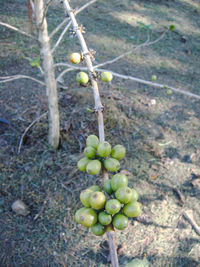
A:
(49, 75)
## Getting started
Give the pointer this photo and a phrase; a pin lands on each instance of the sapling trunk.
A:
(98, 109)
(49, 75)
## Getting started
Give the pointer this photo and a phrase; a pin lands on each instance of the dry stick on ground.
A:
(28, 128)
(98, 109)
(188, 215)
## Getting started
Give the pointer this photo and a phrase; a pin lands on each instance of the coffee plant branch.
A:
(67, 26)
(147, 43)
(98, 108)
(18, 76)
(126, 77)
(17, 30)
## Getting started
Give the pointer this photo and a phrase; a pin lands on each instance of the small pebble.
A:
(153, 102)
(20, 208)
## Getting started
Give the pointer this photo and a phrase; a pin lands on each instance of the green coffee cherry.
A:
(94, 188)
(92, 140)
(85, 197)
(111, 165)
(98, 229)
(113, 206)
(118, 152)
(132, 209)
(107, 187)
(119, 180)
(97, 200)
(82, 164)
(90, 152)
(93, 167)
(120, 221)
(88, 218)
(104, 149)
(124, 194)
(104, 218)
(78, 214)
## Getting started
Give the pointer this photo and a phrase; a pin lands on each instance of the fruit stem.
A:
(112, 248)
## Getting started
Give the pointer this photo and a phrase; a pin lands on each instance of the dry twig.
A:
(58, 27)
(18, 76)
(16, 29)
(41, 210)
(147, 43)
(188, 215)
(27, 129)
(180, 196)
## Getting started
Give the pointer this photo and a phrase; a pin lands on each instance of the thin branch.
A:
(60, 37)
(16, 77)
(147, 43)
(17, 30)
(127, 77)
(63, 73)
(68, 25)
(66, 19)
(112, 248)
(99, 110)
(58, 27)
(45, 11)
(153, 84)
(85, 6)
(63, 64)
(27, 129)
(70, 68)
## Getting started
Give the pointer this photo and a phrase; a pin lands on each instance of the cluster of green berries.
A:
(110, 208)
(82, 77)
(97, 153)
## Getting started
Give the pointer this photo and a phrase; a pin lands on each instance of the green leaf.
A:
(32, 63)
(35, 62)
(171, 28)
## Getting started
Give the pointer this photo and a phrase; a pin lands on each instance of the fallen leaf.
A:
(154, 176)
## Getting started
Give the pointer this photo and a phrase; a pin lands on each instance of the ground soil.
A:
(160, 132)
